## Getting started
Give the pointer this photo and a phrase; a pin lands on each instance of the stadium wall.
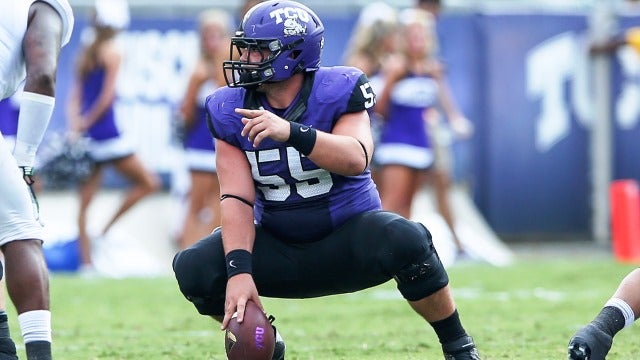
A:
(522, 78)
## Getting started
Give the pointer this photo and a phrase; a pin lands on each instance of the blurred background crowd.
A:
(525, 117)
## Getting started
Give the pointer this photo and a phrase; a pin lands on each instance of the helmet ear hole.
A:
(294, 54)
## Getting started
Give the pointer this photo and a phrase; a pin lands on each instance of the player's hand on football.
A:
(262, 124)
(240, 289)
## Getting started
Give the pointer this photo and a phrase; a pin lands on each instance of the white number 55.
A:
(309, 182)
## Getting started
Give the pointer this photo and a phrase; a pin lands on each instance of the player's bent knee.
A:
(425, 273)
(199, 283)
(422, 278)
(200, 278)
(405, 241)
(194, 277)
(183, 271)
(194, 266)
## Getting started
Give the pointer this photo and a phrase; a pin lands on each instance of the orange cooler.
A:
(625, 220)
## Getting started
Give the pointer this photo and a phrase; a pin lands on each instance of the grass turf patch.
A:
(525, 311)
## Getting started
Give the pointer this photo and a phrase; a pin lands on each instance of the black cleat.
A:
(589, 343)
(462, 349)
(279, 349)
(7, 349)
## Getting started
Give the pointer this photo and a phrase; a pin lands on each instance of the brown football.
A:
(253, 339)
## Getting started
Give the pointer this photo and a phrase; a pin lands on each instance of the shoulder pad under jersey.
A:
(222, 120)
(344, 84)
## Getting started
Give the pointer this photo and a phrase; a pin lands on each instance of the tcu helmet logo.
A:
(293, 28)
(292, 18)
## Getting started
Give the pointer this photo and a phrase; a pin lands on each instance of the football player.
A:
(31, 35)
(301, 216)
(593, 341)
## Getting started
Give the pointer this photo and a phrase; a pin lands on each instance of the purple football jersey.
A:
(295, 199)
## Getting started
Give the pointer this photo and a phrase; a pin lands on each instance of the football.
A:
(253, 339)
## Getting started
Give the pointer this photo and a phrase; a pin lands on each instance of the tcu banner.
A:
(525, 81)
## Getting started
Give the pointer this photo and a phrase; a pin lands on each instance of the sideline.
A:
(141, 242)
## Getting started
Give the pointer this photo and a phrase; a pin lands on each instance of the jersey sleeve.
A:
(338, 90)
(222, 120)
(362, 95)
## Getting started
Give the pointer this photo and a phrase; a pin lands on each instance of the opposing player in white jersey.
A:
(31, 35)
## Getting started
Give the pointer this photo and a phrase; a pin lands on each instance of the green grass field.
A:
(525, 311)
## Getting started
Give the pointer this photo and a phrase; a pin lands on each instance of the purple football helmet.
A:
(290, 31)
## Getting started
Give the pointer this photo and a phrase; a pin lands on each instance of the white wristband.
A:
(35, 113)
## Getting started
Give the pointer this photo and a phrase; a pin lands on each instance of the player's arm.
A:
(111, 59)
(238, 231)
(348, 148)
(41, 48)
(234, 174)
(345, 151)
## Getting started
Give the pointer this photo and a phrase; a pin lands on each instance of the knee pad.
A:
(423, 276)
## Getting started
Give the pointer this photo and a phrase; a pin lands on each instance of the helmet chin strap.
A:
(253, 78)
(249, 77)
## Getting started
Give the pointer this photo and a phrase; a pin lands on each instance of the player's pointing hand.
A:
(261, 124)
